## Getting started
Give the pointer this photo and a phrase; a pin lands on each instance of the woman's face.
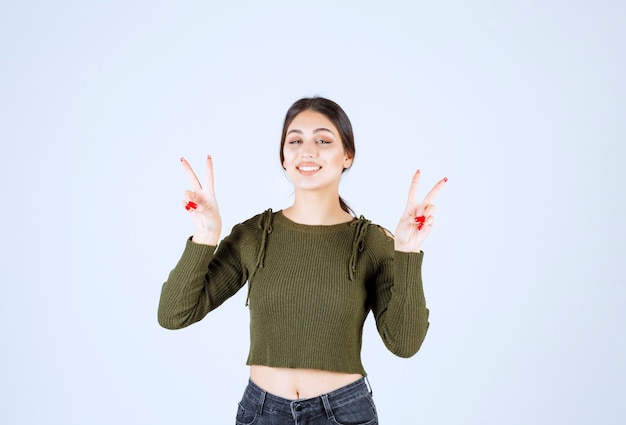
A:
(314, 153)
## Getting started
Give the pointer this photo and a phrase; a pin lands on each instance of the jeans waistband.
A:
(336, 397)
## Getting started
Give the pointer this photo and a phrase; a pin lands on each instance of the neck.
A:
(313, 208)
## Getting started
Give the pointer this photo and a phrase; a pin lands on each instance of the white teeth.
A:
(308, 168)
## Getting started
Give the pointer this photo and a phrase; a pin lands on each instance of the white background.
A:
(522, 104)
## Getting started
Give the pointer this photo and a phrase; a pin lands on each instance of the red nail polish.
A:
(187, 207)
(445, 179)
(420, 219)
(192, 205)
(182, 159)
(419, 226)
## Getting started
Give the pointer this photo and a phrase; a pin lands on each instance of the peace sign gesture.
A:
(202, 205)
(417, 220)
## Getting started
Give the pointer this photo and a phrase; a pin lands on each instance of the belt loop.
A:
(329, 412)
(261, 402)
(369, 386)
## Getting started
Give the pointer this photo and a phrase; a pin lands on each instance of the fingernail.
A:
(421, 219)
(187, 207)
(445, 179)
(192, 205)
(209, 157)
(418, 171)
(182, 159)
(419, 226)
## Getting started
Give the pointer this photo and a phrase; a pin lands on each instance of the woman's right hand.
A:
(202, 205)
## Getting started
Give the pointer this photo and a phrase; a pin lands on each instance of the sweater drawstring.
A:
(265, 224)
(358, 244)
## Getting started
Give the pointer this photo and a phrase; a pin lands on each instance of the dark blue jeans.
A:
(349, 405)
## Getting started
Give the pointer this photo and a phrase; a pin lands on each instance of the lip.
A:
(310, 165)
(308, 168)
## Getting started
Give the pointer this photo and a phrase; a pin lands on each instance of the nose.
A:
(309, 150)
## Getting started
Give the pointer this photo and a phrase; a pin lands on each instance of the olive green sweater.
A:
(310, 289)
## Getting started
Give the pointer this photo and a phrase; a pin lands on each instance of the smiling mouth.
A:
(309, 168)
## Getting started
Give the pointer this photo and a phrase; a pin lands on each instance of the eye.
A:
(323, 142)
(294, 142)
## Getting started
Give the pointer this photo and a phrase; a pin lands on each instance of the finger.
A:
(189, 201)
(434, 191)
(191, 175)
(209, 175)
(429, 210)
(412, 201)
(190, 205)
(426, 224)
(189, 196)
(420, 219)
(423, 213)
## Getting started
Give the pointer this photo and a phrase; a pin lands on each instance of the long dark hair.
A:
(336, 115)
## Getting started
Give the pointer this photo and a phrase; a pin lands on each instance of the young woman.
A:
(314, 272)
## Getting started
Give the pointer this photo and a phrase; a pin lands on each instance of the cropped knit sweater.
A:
(310, 288)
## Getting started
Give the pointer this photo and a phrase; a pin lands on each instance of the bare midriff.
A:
(296, 384)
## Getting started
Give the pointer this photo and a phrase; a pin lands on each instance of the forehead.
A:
(311, 120)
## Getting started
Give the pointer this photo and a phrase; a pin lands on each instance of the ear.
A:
(347, 162)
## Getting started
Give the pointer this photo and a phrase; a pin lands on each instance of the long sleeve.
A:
(311, 288)
(201, 281)
(398, 303)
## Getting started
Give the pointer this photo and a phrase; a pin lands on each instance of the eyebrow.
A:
(317, 130)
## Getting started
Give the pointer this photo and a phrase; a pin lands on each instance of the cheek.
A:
(288, 158)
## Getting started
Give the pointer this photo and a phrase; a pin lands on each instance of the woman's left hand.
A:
(417, 221)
